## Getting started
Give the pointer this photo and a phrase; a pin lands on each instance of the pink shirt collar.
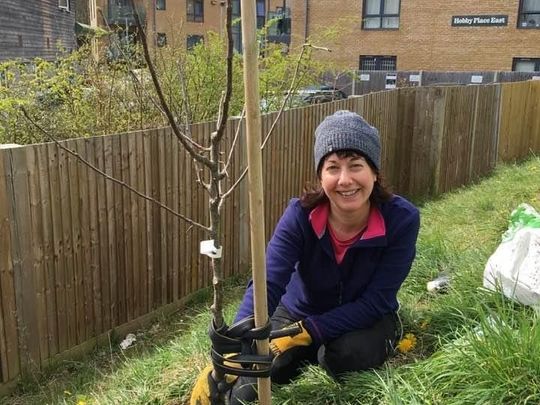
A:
(375, 224)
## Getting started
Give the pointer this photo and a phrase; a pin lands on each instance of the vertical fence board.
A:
(47, 248)
(175, 221)
(37, 268)
(84, 242)
(94, 267)
(136, 221)
(126, 268)
(25, 287)
(105, 229)
(162, 279)
(168, 217)
(141, 236)
(534, 114)
(66, 240)
(112, 201)
(58, 247)
(183, 194)
(133, 267)
(9, 338)
(149, 208)
(156, 223)
(73, 232)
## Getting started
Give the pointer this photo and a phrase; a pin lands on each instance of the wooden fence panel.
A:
(425, 141)
(484, 146)
(25, 287)
(48, 249)
(94, 268)
(513, 134)
(35, 255)
(534, 115)
(404, 132)
(85, 270)
(105, 210)
(457, 138)
(149, 237)
(9, 337)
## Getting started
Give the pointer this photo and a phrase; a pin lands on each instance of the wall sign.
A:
(390, 82)
(364, 77)
(479, 20)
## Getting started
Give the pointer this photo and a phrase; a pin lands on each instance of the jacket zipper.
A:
(340, 300)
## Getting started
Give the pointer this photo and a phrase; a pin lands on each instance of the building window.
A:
(529, 14)
(283, 21)
(261, 14)
(63, 4)
(20, 40)
(48, 43)
(193, 40)
(526, 65)
(161, 4)
(237, 29)
(195, 10)
(380, 14)
(377, 62)
(161, 39)
(236, 8)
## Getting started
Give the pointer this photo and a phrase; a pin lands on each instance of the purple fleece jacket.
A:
(333, 299)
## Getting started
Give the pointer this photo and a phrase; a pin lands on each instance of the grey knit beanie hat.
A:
(346, 130)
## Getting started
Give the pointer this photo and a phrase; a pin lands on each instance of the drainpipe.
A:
(306, 20)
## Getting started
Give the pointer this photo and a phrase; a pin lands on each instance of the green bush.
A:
(77, 97)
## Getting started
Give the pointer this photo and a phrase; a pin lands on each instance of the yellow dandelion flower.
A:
(81, 402)
(407, 343)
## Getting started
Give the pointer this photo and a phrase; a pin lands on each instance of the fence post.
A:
(473, 135)
(439, 112)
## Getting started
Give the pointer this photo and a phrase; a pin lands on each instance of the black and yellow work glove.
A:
(293, 335)
(207, 388)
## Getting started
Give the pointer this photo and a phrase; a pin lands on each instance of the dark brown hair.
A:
(313, 194)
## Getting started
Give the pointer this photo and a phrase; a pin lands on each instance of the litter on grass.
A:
(128, 341)
(514, 267)
(439, 284)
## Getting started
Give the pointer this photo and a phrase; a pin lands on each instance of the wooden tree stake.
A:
(256, 201)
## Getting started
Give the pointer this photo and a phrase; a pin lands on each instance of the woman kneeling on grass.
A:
(335, 263)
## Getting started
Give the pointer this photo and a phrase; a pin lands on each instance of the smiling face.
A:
(347, 180)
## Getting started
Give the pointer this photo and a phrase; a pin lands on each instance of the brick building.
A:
(425, 34)
(183, 22)
(32, 28)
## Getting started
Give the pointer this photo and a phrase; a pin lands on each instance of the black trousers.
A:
(358, 350)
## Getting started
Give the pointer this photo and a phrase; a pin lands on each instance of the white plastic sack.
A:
(514, 268)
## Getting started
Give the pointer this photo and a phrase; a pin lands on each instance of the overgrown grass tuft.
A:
(473, 346)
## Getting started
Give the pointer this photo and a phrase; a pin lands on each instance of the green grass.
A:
(474, 347)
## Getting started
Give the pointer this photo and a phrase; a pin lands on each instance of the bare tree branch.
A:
(176, 130)
(233, 146)
(236, 183)
(283, 104)
(291, 89)
(108, 177)
(200, 180)
(187, 106)
(224, 108)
